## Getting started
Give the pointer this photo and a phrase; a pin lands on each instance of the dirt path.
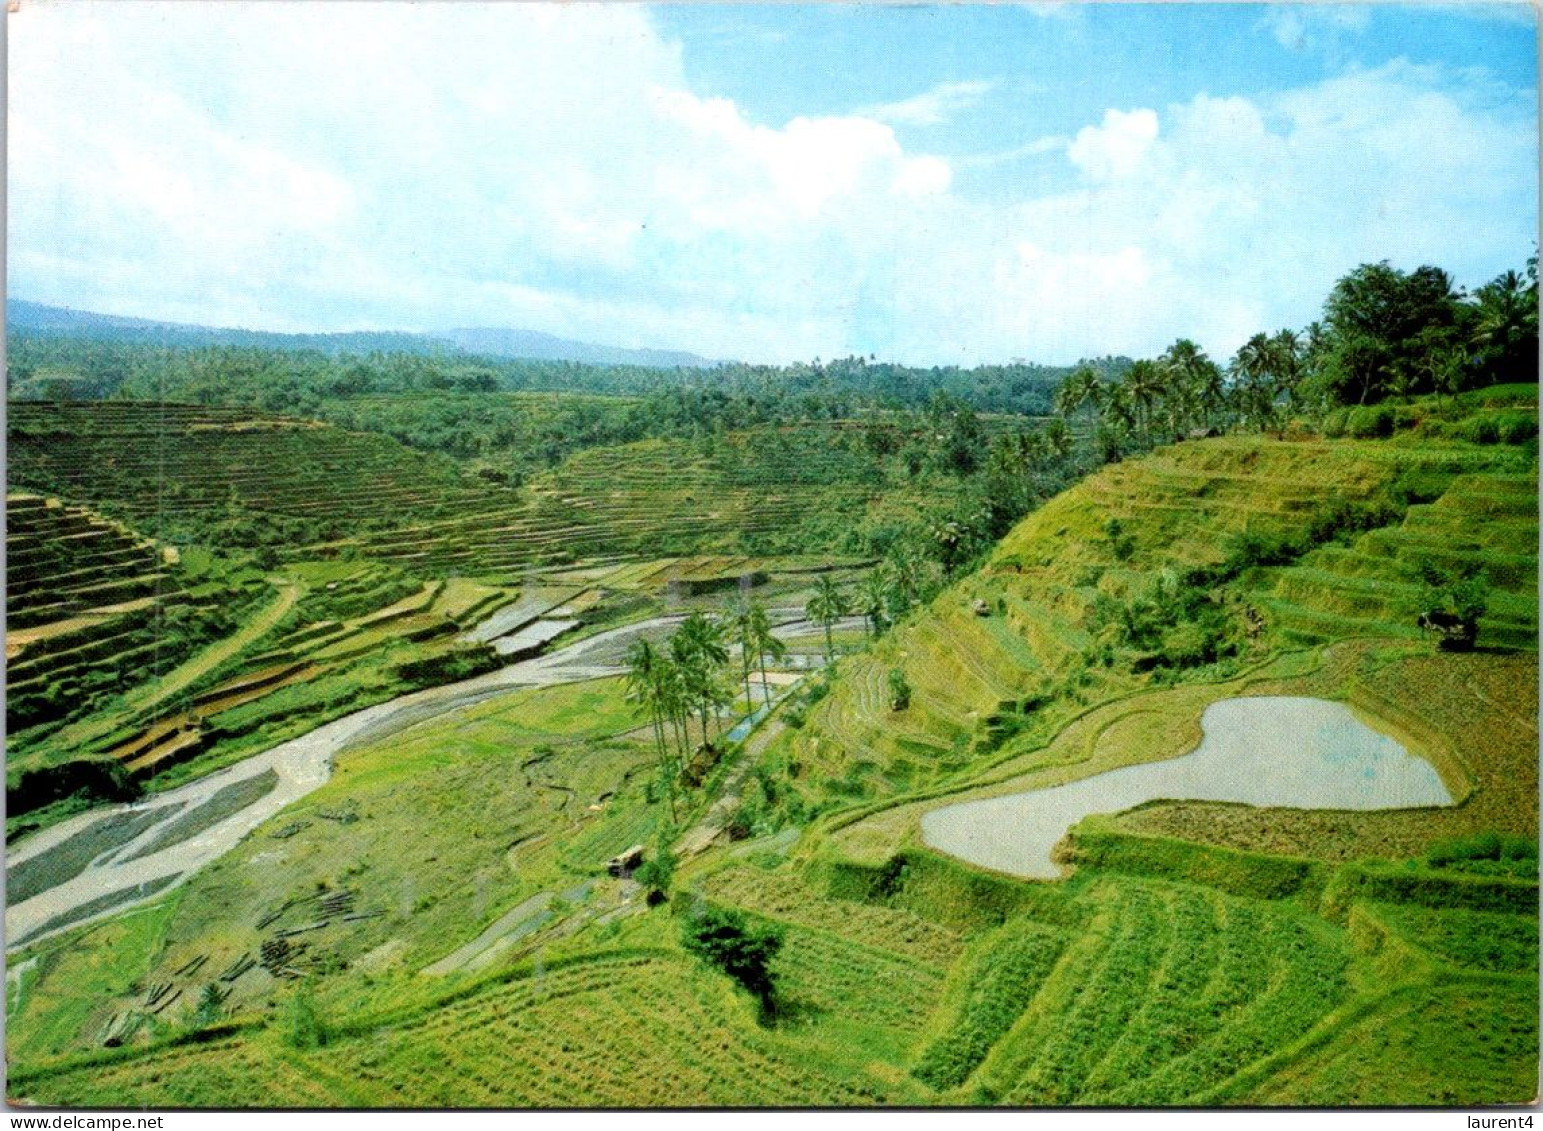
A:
(701, 835)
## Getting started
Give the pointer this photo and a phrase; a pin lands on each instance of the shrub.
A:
(722, 937)
(1121, 544)
(1485, 849)
(1251, 549)
(303, 1026)
(899, 690)
(1371, 422)
(1518, 428)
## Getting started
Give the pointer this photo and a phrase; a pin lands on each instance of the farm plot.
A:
(92, 609)
(624, 1030)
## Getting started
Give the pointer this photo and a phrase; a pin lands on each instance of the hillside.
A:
(39, 318)
(1116, 548)
(234, 478)
(436, 924)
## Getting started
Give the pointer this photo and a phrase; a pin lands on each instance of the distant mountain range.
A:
(39, 318)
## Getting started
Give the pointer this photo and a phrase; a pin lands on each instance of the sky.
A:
(930, 184)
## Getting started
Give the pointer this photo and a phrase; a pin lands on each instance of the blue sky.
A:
(934, 184)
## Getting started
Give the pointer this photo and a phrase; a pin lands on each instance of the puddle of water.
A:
(1278, 751)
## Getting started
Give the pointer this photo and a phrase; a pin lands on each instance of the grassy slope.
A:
(1209, 980)
(190, 472)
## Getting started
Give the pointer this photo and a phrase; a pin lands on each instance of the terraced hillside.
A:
(437, 924)
(208, 473)
(308, 490)
(1108, 990)
(1057, 590)
(335, 636)
(93, 608)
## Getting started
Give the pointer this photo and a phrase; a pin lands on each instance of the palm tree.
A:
(826, 607)
(1056, 438)
(872, 600)
(647, 684)
(1029, 447)
(765, 643)
(699, 653)
(1254, 369)
(1082, 387)
(1195, 381)
(742, 631)
(1506, 330)
(1145, 383)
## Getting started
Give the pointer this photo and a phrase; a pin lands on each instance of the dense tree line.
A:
(54, 364)
(1384, 334)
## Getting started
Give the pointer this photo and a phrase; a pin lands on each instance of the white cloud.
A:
(932, 107)
(1300, 25)
(1115, 148)
(327, 166)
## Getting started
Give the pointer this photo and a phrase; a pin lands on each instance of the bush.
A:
(899, 690)
(303, 1026)
(1371, 422)
(1485, 849)
(1121, 544)
(1250, 549)
(723, 938)
(1518, 428)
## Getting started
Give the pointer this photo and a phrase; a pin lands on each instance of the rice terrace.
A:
(487, 718)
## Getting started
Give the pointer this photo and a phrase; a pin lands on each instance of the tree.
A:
(825, 608)
(1256, 376)
(1505, 331)
(658, 871)
(1454, 603)
(1194, 385)
(648, 684)
(1056, 438)
(721, 937)
(699, 653)
(742, 630)
(765, 643)
(1081, 388)
(872, 601)
(1145, 384)
(1373, 320)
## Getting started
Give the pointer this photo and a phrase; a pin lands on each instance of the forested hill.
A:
(58, 354)
(28, 318)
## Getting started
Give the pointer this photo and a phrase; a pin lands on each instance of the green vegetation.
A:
(652, 884)
(723, 938)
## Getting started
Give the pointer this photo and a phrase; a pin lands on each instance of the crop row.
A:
(787, 897)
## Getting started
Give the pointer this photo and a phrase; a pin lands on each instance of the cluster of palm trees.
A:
(1384, 333)
(887, 592)
(689, 679)
(1167, 397)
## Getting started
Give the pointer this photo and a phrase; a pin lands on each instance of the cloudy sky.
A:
(931, 184)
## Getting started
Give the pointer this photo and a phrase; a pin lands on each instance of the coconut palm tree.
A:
(872, 600)
(698, 649)
(1082, 387)
(1255, 368)
(1194, 383)
(1506, 330)
(765, 643)
(1056, 438)
(826, 607)
(648, 685)
(742, 632)
(1145, 383)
